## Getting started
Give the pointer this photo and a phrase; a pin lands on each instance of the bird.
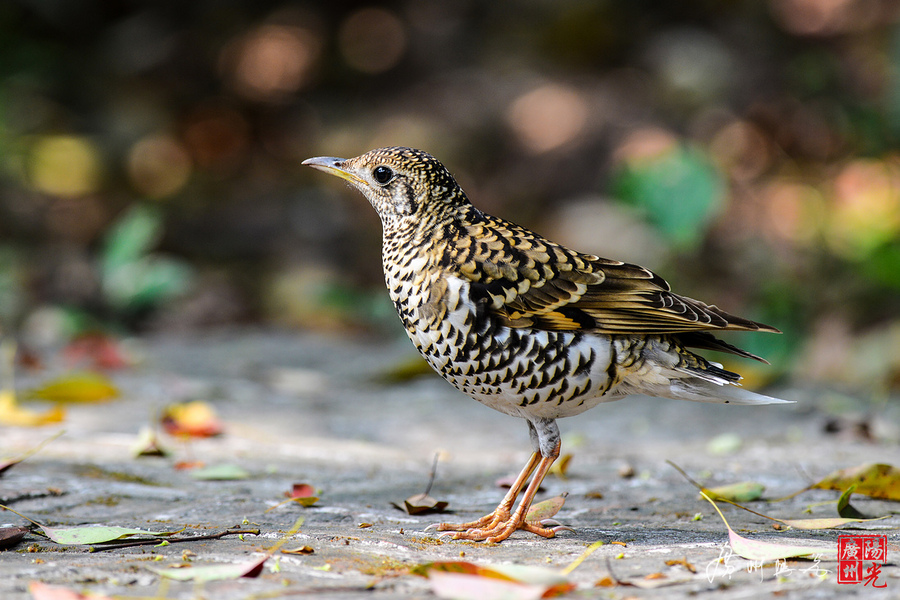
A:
(527, 326)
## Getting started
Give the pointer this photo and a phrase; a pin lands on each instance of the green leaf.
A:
(744, 491)
(132, 236)
(843, 505)
(203, 574)
(224, 472)
(94, 534)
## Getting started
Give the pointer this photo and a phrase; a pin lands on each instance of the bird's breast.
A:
(518, 371)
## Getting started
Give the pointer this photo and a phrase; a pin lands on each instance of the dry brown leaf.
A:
(682, 563)
(546, 509)
(10, 536)
(300, 550)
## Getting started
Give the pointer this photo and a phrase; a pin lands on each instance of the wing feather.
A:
(528, 281)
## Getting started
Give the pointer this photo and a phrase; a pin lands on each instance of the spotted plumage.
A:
(526, 326)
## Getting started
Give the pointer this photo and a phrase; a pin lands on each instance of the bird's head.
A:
(399, 182)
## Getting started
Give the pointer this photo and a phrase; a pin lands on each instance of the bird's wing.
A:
(528, 281)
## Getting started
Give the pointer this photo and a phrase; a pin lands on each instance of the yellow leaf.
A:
(13, 414)
(875, 480)
(77, 388)
(194, 419)
(560, 467)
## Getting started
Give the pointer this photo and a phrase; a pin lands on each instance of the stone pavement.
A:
(310, 408)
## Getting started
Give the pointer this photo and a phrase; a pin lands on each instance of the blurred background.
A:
(150, 176)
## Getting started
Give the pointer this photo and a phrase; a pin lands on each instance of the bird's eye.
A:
(382, 174)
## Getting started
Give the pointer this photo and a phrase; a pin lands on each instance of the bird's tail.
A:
(702, 390)
(689, 376)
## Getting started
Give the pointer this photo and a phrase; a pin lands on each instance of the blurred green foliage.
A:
(679, 191)
(134, 278)
(150, 155)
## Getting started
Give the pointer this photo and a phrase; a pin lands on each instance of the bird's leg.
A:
(500, 527)
(502, 512)
(500, 524)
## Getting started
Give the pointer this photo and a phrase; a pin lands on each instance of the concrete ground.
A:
(314, 409)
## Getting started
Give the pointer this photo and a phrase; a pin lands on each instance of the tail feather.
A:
(701, 390)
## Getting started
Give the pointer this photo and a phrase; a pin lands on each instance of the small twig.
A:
(433, 474)
(156, 542)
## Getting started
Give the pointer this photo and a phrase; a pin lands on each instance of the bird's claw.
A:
(550, 522)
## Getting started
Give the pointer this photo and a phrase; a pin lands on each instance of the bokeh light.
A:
(827, 17)
(158, 166)
(547, 117)
(372, 40)
(271, 61)
(64, 165)
(866, 206)
(216, 136)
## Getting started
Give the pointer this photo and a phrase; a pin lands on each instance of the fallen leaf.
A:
(744, 491)
(422, 504)
(250, 568)
(13, 414)
(191, 419)
(545, 510)
(766, 551)
(300, 550)
(42, 591)
(225, 472)
(683, 562)
(187, 465)
(88, 534)
(10, 463)
(822, 522)
(95, 534)
(406, 369)
(10, 536)
(843, 505)
(463, 581)
(76, 388)
(96, 350)
(202, 574)
(875, 480)
(724, 444)
(148, 444)
(561, 465)
(303, 494)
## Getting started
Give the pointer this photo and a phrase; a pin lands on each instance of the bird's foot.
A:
(488, 521)
(494, 528)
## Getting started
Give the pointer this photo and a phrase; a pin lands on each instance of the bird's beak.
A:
(334, 166)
